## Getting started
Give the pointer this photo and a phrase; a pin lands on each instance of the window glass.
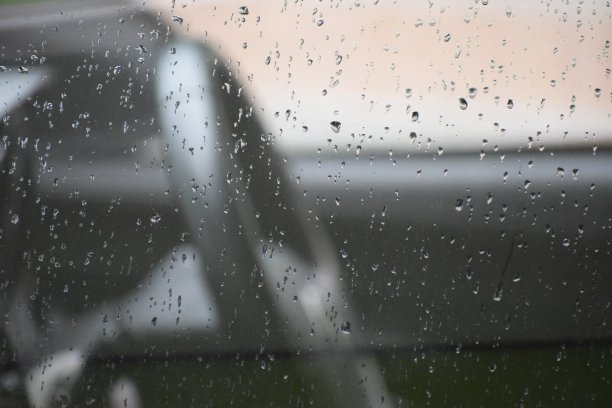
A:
(305, 203)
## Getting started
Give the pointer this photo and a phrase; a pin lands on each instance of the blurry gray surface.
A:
(432, 248)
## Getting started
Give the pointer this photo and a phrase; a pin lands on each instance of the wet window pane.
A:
(305, 203)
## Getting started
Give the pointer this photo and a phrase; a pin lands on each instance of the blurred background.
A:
(371, 65)
(306, 203)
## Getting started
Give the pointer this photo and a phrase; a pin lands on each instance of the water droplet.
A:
(463, 103)
(447, 37)
(413, 137)
(598, 92)
(560, 172)
(320, 23)
(177, 19)
(244, 10)
(472, 92)
(345, 327)
(457, 52)
(492, 366)
(510, 104)
(14, 219)
(497, 296)
(155, 218)
(415, 116)
(459, 204)
(154, 321)
(335, 125)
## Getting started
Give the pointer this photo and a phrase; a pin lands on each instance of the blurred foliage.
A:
(532, 376)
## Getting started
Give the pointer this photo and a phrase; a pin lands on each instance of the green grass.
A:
(574, 377)
(552, 376)
(6, 2)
